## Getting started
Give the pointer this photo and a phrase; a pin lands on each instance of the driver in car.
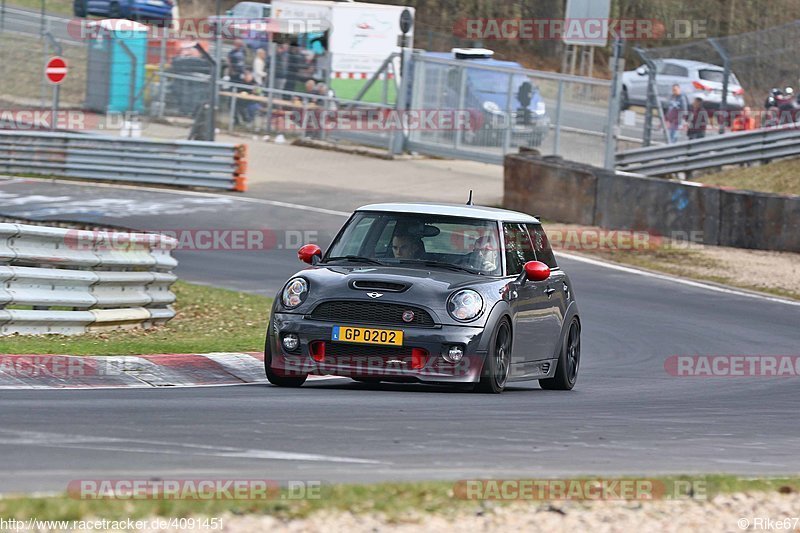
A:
(405, 246)
(484, 256)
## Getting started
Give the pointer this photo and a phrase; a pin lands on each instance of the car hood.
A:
(420, 287)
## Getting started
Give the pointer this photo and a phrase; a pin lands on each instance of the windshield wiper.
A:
(451, 266)
(354, 258)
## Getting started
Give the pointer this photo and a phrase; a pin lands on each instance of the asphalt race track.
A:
(626, 416)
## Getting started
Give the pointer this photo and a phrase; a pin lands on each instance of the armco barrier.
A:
(102, 157)
(733, 148)
(55, 280)
(576, 193)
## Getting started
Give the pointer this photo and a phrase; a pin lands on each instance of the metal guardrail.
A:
(55, 280)
(740, 147)
(102, 157)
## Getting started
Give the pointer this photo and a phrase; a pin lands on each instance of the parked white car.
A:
(696, 79)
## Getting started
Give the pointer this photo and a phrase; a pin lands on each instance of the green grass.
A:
(207, 320)
(56, 7)
(23, 58)
(781, 177)
(395, 500)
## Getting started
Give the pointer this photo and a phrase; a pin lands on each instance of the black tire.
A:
(79, 8)
(569, 361)
(494, 375)
(114, 11)
(274, 377)
(624, 102)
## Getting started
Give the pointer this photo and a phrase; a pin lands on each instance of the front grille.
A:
(335, 350)
(370, 313)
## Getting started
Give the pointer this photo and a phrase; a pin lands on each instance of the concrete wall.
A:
(570, 192)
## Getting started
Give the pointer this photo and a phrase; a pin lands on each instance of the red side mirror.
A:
(536, 271)
(307, 253)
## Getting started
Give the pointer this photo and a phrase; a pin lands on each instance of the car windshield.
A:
(400, 239)
(488, 81)
(717, 76)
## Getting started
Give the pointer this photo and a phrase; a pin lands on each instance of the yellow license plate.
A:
(391, 337)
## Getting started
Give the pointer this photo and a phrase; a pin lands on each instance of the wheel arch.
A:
(500, 311)
(572, 312)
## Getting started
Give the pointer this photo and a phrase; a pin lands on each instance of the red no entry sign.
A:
(56, 70)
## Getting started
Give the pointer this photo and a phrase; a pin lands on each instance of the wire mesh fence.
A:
(509, 107)
(726, 75)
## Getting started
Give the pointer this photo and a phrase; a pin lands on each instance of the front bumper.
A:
(375, 361)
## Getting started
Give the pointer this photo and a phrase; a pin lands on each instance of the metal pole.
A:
(215, 74)
(398, 141)
(212, 115)
(509, 116)
(612, 128)
(651, 97)
(462, 94)
(726, 64)
(273, 65)
(162, 81)
(51, 41)
(559, 105)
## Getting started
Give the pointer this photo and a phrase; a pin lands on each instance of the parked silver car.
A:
(696, 79)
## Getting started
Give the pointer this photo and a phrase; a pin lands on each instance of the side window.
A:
(675, 70)
(541, 245)
(518, 248)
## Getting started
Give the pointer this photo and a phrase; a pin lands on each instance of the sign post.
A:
(56, 72)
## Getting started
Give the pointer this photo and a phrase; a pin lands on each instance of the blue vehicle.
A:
(487, 92)
(148, 11)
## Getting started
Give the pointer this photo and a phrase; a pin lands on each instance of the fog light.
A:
(291, 342)
(454, 355)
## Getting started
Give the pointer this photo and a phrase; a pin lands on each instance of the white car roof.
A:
(454, 210)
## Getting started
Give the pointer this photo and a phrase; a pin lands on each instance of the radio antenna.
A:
(469, 201)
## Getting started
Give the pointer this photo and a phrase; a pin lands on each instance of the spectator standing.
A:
(281, 66)
(260, 67)
(744, 121)
(677, 108)
(771, 118)
(697, 120)
(245, 109)
(295, 64)
(236, 61)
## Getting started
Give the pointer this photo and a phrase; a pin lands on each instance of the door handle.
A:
(549, 290)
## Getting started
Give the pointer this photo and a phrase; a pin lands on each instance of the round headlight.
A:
(294, 293)
(465, 305)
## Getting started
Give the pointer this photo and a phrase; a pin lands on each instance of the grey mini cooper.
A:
(428, 293)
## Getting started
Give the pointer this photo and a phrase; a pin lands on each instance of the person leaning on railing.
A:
(696, 120)
(744, 121)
